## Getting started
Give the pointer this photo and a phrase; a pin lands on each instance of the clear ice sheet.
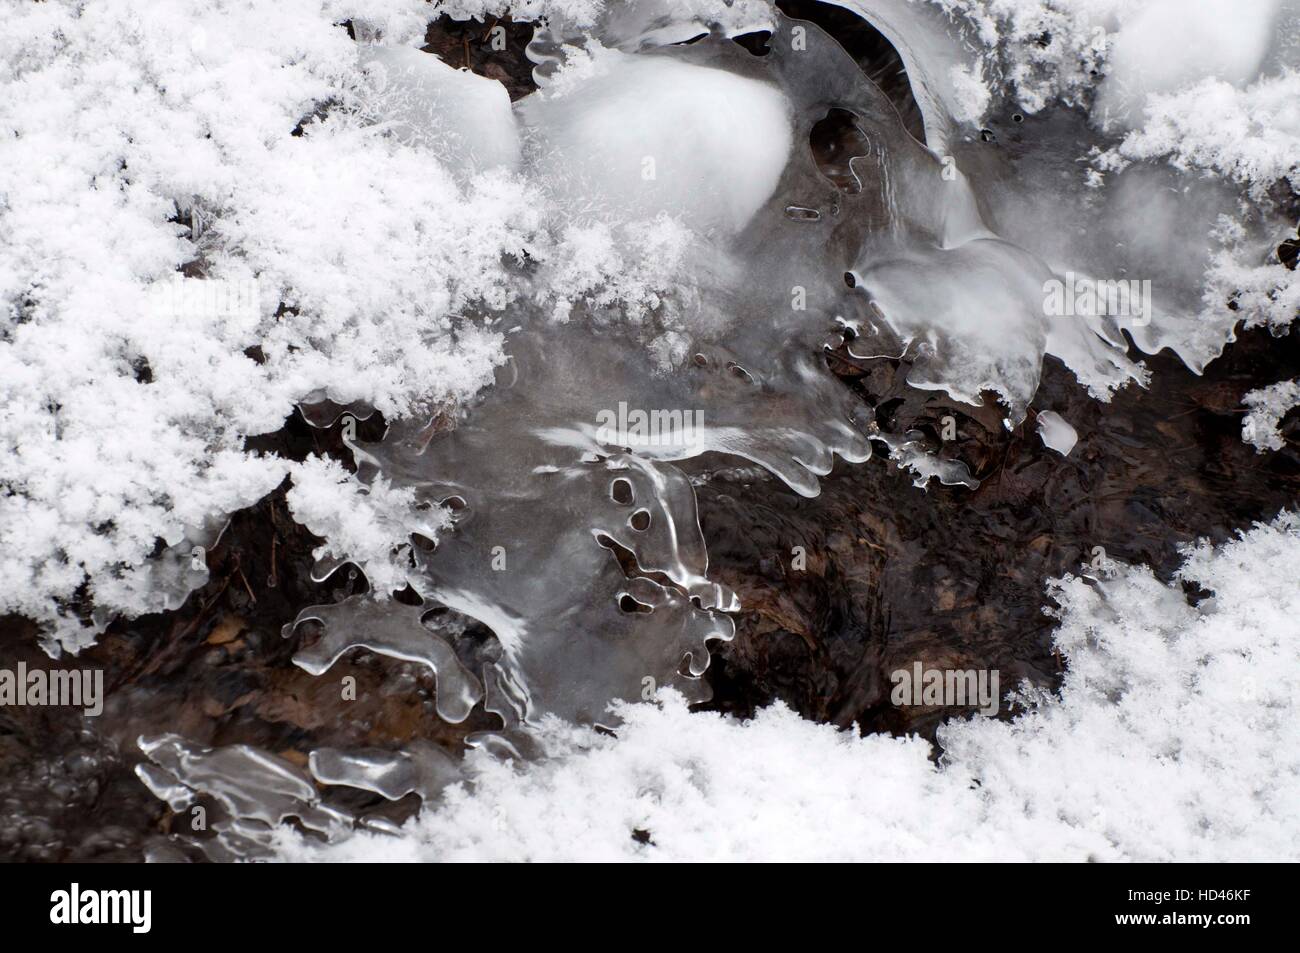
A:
(255, 793)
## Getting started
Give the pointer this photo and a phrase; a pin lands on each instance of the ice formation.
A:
(368, 287)
(1127, 764)
(543, 543)
(1056, 432)
(1267, 406)
(650, 233)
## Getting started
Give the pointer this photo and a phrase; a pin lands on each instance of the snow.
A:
(360, 522)
(1042, 50)
(1250, 135)
(464, 118)
(363, 222)
(1210, 84)
(1268, 405)
(1266, 292)
(630, 22)
(578, 13)
(120, 426)
(624, 266)
(972, 95)
(1175, 737)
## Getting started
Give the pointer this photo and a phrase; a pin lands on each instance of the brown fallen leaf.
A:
(227, 630)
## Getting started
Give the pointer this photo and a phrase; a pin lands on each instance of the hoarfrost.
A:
(1268, 405)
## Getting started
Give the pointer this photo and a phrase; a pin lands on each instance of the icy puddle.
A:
(553, 509)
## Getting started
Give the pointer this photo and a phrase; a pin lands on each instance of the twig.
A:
(247, 587)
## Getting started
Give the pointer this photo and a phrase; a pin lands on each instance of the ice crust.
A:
(1056, 432)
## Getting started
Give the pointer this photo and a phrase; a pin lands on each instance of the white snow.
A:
(1250, 135)
(360, 522)
(1267, 293)
(1209, 84)
(1042, 50)
(1268, 405)
(578, 13)
(972, 95)
(464, 118)
(623, 266)
(667, 20)
(1175, 737)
